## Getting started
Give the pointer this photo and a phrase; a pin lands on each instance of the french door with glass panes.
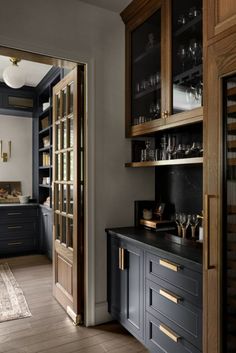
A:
(68, 160)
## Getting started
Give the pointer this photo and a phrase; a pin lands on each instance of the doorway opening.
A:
(49, 110)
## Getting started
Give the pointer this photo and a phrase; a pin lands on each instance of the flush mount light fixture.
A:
(13, 75)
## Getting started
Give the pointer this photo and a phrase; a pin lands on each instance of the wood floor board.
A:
(50, 330)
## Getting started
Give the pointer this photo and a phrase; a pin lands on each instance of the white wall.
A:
(81, 32)
(18, 130)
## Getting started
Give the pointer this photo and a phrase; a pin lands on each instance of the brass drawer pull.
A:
(14, 227)
(15, 243)
(168, 295)
(121, 259)
(170, 265)
(14, 214)
(168, 332)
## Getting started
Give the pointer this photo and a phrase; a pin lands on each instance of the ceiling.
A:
(112, 5)
(34, 71)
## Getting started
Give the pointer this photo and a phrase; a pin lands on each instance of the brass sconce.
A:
(5, 156)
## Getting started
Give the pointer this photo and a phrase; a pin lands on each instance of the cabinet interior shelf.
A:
(232, 209)
(231, 92)
(45, 112)
(45, 166)
(231, 128)
(45, 148)
(45, 186)
(188, 25)
(188, 75)
(147, 91)
(147, 53)
(195, 160)
(231, 111)
(45, 130)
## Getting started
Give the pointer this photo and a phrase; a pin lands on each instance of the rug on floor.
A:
(13, 304)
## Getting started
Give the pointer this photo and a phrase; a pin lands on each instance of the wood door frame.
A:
(61, 62)
(220, 62)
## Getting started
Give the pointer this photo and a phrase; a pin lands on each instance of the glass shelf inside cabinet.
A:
(146, 70)
(229, 215)
(186, 55)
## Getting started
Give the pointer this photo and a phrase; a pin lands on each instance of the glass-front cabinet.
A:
(164, 82)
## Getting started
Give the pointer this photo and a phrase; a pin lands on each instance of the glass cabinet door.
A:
(146, 70)
(229, 217)
(187, 84)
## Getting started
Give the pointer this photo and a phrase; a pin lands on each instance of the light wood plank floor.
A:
(49, 330)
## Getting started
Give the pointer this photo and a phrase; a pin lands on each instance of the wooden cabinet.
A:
(220, 197)
(46, 231)
(163, 65)
(125, 288)
(18, 229)
(155, 287)
(220, 15)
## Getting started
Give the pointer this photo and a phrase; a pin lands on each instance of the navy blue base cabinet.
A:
(155, 290)
(18, 229)
(46, 231)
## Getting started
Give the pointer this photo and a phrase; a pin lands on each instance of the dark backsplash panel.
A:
(180, 187)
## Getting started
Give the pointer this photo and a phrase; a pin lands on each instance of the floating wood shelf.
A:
(183, 161)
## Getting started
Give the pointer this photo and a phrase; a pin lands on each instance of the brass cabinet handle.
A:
(165, 114)
(168, 332)
(206, 235)
(14, 227)
(122, 259)
(14, 213)
(168, 295)
(15, 243)
(170, 265)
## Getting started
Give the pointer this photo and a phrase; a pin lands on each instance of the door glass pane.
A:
(64, 102)
(187, 55)
(71, 131)
(57, 226)
(70, 235)
(57, 106)
(58, 137)
(71, 172)
(146, 70)
(71, 199)
(63, 235)
(64, 198)
(64, 137)
(58, 166)
(71, 96)
(64, 166)
(229, 224)
(57, 190)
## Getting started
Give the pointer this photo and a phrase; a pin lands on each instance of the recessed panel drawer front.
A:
(160, 338)
(175, 272)
(16, 245)
(17, 213)
(12, 228)
(162, 300)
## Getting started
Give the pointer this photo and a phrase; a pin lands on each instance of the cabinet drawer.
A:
(176, 273)
(160, 338)
(17, 245)
(17, 213)
(170, 304)
(12, 228)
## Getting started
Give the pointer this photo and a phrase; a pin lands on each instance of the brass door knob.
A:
(165, 114)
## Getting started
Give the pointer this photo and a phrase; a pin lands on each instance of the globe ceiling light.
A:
(13, 75)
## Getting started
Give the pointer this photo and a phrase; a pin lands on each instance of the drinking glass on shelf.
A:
(193, 221)
(184, 220)
(171, 146)
(182, 20)
(193, 12)
(163, 148)
(177, 221)
(182, 55)
(195, 51)
(157, 77)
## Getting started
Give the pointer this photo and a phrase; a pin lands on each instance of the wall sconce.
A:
(5, 157)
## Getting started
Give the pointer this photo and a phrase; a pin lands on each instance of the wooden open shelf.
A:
(183, 161)
(232, 128)
(231, 110)
(232, 145)
(232, 161)
(231, 92)
(232, 209)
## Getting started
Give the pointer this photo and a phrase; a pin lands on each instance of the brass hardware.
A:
(14, 227)
(121, 259)
(14, 213)
(5, 156)
(170, 265)
(169, 333)
(168, 295)
(165, 114)
(15, 61)
(15, 243)
(206, 235)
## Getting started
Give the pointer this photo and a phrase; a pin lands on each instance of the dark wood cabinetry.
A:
(18, 229)
(46, 230)
(155, 287)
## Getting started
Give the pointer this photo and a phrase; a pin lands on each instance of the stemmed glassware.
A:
(195, 51)
(184, 220)
(182, 54)
(177, 221)
(193, 221)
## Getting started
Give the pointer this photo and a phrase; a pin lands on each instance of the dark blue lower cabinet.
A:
(46, 231)
(125, 285)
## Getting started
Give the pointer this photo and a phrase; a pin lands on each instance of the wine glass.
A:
(184, 222)
(193, 221)
(195, 51)
(177, 221)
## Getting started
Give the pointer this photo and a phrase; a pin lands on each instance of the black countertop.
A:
(160, 240)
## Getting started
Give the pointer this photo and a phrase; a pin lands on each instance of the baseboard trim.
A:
(101, 313)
